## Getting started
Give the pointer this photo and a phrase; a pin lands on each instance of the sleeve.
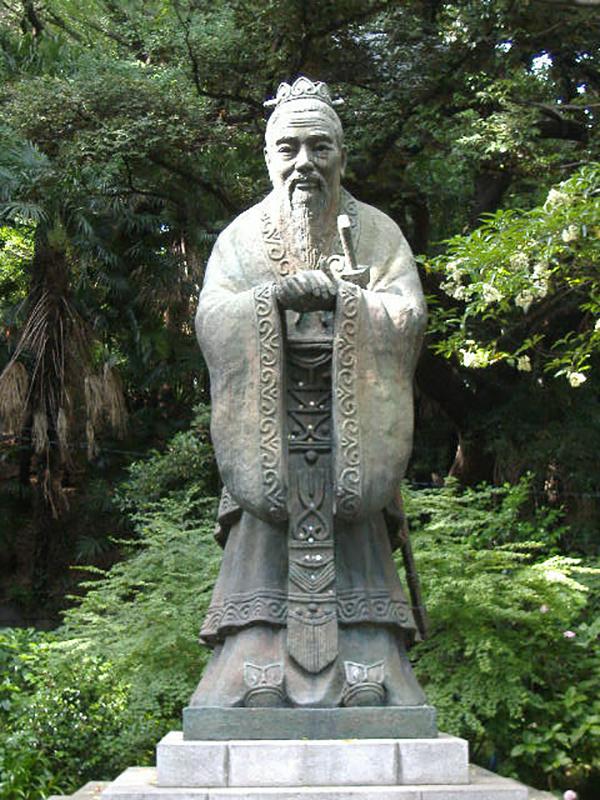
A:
(239, 331)
(378, 335)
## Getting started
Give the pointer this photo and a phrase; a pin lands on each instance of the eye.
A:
(285, 149)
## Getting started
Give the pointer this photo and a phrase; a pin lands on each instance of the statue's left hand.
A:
(309, 290)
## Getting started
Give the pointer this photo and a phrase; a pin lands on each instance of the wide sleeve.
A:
(239, 330)
(378, 335)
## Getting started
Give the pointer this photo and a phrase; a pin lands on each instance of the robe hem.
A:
(270, 607)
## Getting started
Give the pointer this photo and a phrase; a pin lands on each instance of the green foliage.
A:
(511, 663)
(51, 711)
(186, 461)
(514, 272)
(59, 745)
(20, 652)
(144, 613)
(132, 133)
(94, 697)
(16, 250)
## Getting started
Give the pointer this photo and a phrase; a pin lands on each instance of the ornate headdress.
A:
(303, 89)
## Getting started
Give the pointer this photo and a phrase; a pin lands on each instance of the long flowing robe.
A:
(377, 334)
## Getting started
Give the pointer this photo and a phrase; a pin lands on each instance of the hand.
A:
(309, 290)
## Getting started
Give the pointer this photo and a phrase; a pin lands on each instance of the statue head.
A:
(304, 147)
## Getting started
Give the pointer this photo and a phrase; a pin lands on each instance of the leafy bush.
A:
(63, 729)
(520, 260)
(187, 462)
(95, 697)
(509, 663)
(144, 614)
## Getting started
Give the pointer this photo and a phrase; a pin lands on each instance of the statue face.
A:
(303, 154)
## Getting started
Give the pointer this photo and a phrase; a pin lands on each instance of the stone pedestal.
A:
(385, 722)
(294, 769)
(358, 762)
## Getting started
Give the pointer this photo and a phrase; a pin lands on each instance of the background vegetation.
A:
(130, 134)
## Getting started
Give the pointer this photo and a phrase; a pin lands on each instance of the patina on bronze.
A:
(310, 320)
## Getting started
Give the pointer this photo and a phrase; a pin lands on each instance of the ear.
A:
(267, 156)
(344, 161)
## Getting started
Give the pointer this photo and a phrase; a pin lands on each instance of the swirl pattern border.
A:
(270, 356)
(348, 475)
(271, 606)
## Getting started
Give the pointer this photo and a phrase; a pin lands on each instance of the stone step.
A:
(140, 783)
(89, 791)
(336, 762)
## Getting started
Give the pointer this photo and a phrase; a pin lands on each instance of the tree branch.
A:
(359, 16)
(32, 17)
(200, 90)
(59, 22)
(215, 191)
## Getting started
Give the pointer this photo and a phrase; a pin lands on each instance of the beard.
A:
(307, 218)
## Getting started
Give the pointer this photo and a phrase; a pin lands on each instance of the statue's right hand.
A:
(309, 290)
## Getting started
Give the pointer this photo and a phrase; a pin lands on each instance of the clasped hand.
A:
(309, 290)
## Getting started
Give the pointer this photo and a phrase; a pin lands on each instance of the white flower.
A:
(576, 378)
(456, 291)
(454, 276)
(519, 260)
(541, 282)
(556, 198)
(490, 293)
(524, 300)
(468, 358)
(476, 358)
(597, 325)
(524, 364)
(453, 267)
(540, 271)
(570, 234)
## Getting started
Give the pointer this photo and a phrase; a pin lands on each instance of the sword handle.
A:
(345, 231)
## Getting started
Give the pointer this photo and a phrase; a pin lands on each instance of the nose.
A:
(304, 160)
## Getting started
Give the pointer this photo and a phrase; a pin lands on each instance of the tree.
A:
(454, 110)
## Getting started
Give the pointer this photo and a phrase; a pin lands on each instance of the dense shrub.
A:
(94, 697)
(63, 720)
(511, 662)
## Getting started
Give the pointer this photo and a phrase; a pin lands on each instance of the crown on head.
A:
(303, 89)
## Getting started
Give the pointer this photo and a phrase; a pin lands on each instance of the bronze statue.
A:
(310, 320)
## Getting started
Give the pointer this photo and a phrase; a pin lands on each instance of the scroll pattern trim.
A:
(270, 606)
(348, 475)
(270, 356)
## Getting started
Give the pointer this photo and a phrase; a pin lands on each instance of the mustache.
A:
(313, 180)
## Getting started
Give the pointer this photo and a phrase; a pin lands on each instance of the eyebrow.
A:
(313, 138)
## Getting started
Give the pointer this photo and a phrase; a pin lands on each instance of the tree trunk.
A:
(473, 464)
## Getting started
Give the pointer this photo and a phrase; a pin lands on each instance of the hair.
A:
(300, 104)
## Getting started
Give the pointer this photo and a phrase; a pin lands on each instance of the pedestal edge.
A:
(363, 722)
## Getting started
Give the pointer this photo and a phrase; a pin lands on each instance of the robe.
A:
(377, 333)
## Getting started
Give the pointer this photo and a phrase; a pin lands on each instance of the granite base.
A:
(294, 762)
(362, 722)
(140, 783)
